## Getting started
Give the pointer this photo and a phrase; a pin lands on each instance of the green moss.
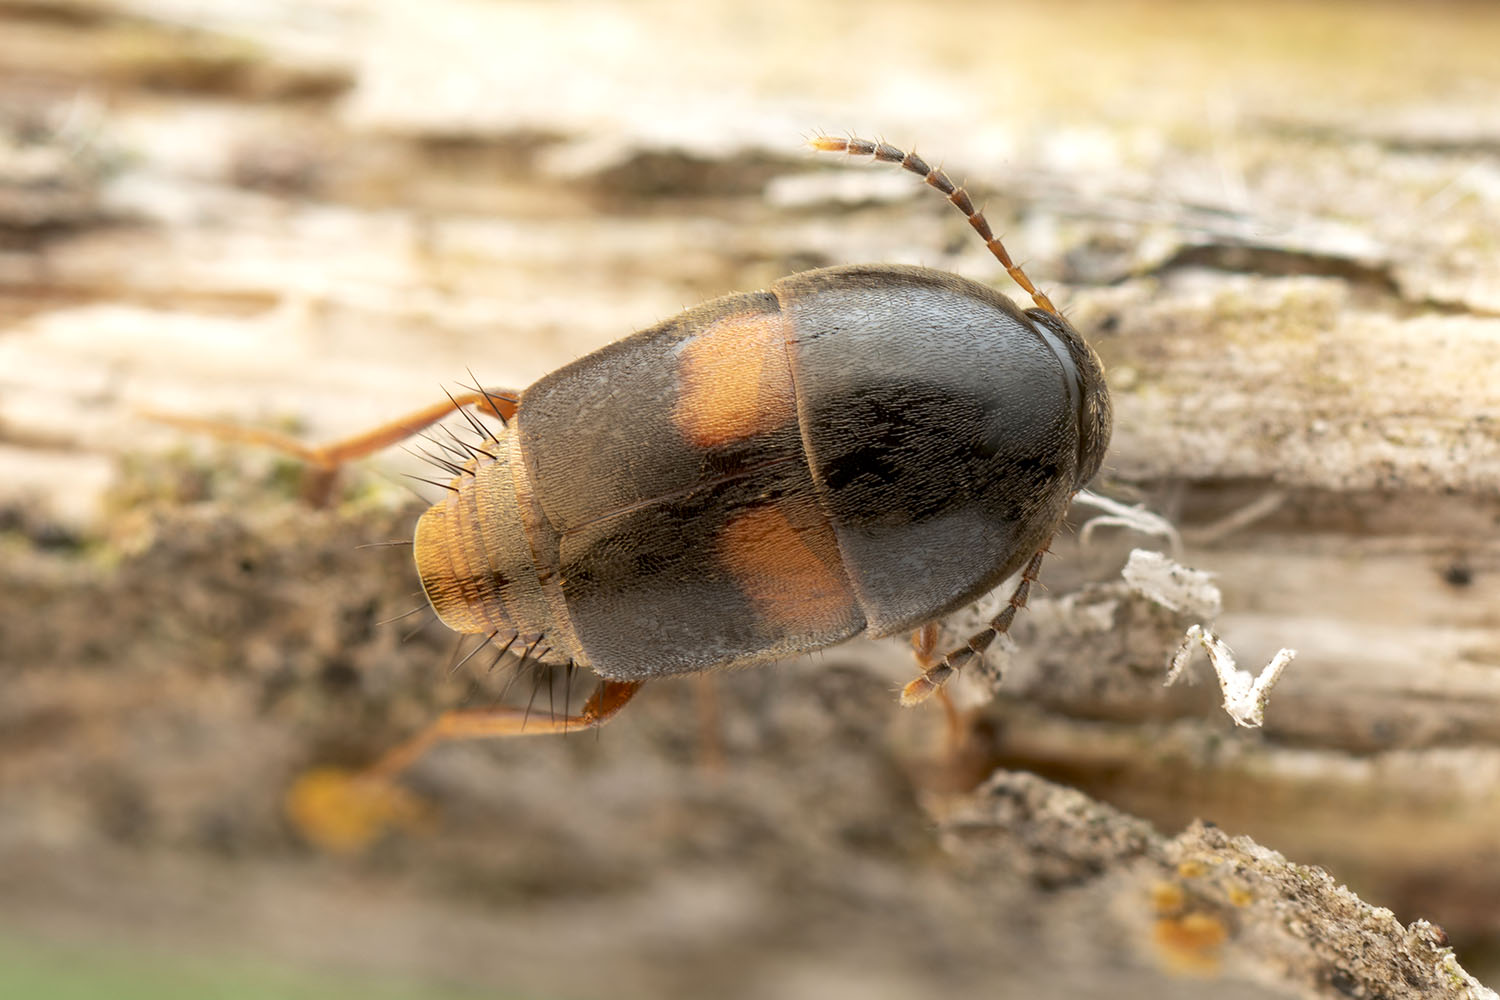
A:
(73, 974)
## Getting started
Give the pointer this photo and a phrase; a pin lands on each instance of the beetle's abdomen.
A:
(670, 470)
(941, 428)
(474, 558)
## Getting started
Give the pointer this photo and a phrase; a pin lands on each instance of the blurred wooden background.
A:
(1279, 223)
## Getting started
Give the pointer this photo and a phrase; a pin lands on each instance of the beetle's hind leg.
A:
(344, 811)
(935, 676)
(479, 724)
(323, 461)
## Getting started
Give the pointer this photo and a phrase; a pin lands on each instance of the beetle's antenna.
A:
(957, 196)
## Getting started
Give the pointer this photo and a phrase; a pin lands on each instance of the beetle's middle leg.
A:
(924, 647)
(935, 676)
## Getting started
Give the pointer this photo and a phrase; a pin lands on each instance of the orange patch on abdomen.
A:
(734, 380)
(791, 573)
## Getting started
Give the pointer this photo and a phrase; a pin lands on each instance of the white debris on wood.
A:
(1119, 515)
(1172, 585)
(1244, 696)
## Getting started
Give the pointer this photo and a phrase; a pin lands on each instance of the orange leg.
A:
(603, 705)
(924, 648)
(935, 676)
(342, 811)
(710, 723)
(324, 460)
(924, 644)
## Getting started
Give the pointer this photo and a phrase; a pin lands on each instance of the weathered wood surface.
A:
(1280, 226)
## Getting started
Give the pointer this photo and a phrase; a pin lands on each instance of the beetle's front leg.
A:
(935, 676)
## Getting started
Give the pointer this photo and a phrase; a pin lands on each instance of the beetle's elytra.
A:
(858, 449)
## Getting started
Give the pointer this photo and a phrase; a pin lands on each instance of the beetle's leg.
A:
(924, 647)
(478, 724)
(324, 460)
(500, 402)
(936, 676)
(710, 723)
(344, 811)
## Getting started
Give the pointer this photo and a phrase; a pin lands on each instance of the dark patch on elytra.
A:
(901, 454)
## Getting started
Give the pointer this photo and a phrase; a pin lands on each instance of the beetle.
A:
(855, 450)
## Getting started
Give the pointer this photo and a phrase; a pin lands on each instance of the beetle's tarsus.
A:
(924, 687)
(936, 676)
